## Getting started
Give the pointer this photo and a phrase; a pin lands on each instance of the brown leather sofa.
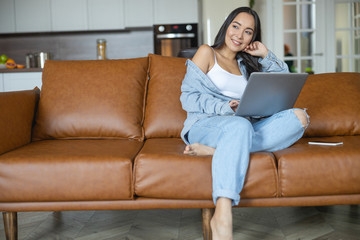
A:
(105, 135)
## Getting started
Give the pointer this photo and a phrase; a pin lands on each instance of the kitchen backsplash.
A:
(79, 45)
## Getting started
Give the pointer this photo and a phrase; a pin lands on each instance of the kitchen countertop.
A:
(20, 70)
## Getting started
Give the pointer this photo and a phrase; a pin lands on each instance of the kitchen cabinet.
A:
(1, 83)
(21, 81)
(32, 16)
(83, 15)
(69, 15)
(106, 14)
(174, 11)
(138, 13)
(7, 16)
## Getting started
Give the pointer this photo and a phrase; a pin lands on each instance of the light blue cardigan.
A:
(200, 98)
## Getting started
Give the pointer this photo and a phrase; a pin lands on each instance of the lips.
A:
(237, 43)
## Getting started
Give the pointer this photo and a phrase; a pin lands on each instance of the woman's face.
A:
(240, 32)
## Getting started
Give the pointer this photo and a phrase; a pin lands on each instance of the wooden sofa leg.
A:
(207, 214)
(10, 224)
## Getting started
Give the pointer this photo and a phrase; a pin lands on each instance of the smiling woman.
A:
(211, 91)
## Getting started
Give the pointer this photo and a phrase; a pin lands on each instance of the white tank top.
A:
(229, 84)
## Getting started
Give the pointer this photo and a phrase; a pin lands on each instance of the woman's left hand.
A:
(257, 49)
(234, 104)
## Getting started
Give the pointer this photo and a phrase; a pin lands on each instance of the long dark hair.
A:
(251, 63)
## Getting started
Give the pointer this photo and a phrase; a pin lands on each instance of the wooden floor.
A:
(295, 223)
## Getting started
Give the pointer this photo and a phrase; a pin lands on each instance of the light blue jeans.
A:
(234, 138)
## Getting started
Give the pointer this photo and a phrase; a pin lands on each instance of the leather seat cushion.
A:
(332, 100)
(92, 99)
(68, 170)
(164, 116)
(312, 170)
(163, 171)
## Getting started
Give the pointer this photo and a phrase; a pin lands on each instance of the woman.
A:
(211, 90)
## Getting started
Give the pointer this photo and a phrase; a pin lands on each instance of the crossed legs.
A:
(231, 137)
(199, 149)
(221, 223)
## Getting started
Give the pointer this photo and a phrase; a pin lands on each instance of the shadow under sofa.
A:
(105, 135)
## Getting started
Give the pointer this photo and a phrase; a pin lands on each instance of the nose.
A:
(240, 34)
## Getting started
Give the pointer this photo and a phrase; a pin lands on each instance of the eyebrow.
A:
(240, 25)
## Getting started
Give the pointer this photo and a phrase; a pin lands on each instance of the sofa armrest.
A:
(17, 111)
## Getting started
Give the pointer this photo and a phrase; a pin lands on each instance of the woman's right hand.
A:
(234, 104)
(257, 49)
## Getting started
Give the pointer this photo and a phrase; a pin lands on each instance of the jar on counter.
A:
(30, 60)
(101, 49)
(41, 57)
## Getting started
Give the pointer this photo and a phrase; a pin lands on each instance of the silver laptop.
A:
(269, 93)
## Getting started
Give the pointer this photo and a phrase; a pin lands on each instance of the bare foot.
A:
(221, 223)
(199, 150)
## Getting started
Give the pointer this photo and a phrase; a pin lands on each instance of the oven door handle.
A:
(175, 35)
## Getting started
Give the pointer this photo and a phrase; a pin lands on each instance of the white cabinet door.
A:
(32, 16)
(7, 16)
(21, 81)
(175, 11)
(106, 14)
(69, 15)
(1, 82)
(138, 13)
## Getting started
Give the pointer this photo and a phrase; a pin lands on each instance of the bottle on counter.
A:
(101, 49)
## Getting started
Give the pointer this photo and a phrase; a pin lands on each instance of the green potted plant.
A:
(251, 3)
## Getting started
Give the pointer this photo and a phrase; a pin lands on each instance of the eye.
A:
(235, 26)
(249, 32)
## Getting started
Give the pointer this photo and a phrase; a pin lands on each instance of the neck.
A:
(227, 53)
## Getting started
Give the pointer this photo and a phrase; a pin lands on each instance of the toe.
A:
(188, 150)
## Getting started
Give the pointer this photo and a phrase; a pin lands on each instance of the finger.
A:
(234, 104)
(254, 46)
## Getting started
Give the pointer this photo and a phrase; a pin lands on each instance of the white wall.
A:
(214, 13)
(261, 8)
(271, 18)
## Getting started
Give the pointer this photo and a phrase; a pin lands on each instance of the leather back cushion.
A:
(16, 118)
(333, 103)
(92, 99)
(164, 116)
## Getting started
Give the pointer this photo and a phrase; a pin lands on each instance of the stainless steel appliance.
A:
(170, 39)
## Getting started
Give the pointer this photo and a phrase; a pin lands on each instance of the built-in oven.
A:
(171, 39)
